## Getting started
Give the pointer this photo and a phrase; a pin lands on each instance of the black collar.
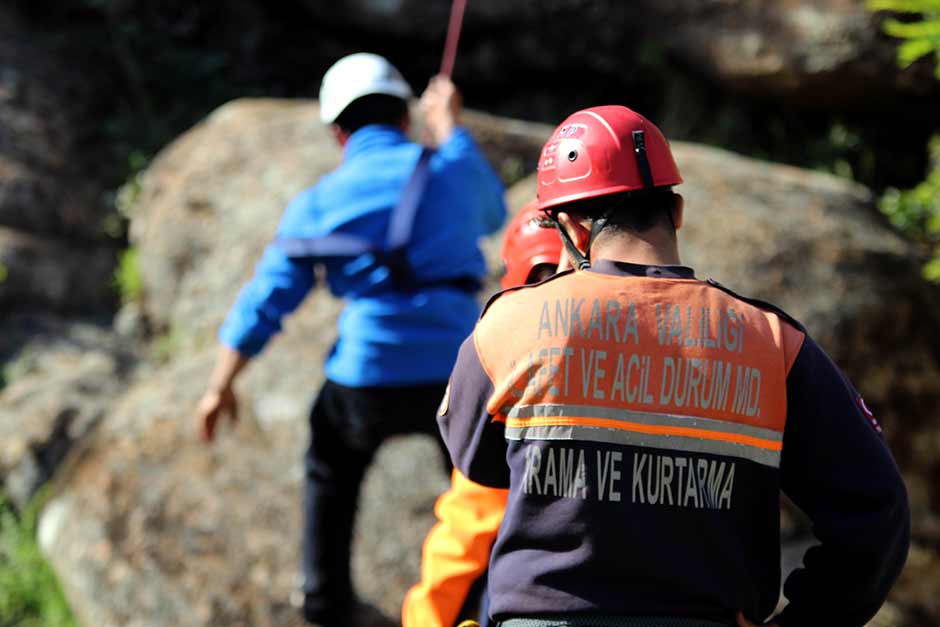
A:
(623, 268)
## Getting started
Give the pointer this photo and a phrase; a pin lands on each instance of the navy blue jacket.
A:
(645, 424)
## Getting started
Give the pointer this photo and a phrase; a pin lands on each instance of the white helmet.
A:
(355, 76)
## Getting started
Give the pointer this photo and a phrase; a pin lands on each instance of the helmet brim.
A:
(595, 193)
(330, 112)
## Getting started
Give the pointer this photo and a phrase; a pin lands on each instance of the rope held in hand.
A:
(450, 47)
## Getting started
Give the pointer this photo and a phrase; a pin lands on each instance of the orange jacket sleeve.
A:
(456, 552)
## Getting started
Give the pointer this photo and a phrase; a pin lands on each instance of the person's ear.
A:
(405, 123)
(339, 134)
(578, 232)
(678, 211)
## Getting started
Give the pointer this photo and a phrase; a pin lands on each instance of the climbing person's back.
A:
(389, 334)
(645, 423)
(644, 450)
(394, 232)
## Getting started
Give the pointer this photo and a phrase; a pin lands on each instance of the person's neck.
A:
(650, 249)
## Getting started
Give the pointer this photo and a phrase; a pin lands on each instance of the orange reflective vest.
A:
(645, 423)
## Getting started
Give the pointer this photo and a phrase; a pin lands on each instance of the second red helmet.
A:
(603, 150)
(527, 245)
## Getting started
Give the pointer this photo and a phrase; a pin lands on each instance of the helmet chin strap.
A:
(583, 261)
(577, 258)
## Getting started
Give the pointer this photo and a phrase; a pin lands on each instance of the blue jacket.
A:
(385, 337)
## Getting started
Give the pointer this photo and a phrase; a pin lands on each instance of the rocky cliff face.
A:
(789, 49)
(56, 263)
(771, 77)
(54, 251)
(150, 527)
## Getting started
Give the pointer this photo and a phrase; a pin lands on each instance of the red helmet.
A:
(527, 245)
(603, 150)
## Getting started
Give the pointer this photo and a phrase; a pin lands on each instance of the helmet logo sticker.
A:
(571, 131)
(547, 163)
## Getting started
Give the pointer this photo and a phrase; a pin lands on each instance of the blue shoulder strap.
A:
(334, 245)
(401, 222)
(403, 215)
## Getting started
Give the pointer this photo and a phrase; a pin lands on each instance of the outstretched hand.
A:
(214, 406)
(441, 105)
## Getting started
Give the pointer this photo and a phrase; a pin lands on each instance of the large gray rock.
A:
(198, 225)
(818, 52)
(58, 374)
(150, 527)
(60, 377)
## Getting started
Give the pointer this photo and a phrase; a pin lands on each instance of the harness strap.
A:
(642, 161)
(402, 220)
(333, 245)
(394, 254)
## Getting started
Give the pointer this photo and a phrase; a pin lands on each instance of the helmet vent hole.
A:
(572, 155)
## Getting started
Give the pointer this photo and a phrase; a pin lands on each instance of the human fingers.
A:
(207, 415)
(433, 90)
(743, 622)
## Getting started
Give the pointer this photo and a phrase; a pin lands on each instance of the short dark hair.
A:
(372, 109)
(627, 211)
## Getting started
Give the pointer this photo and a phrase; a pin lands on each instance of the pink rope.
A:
(453, 36)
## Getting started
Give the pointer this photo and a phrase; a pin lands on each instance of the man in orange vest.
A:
(644, 423)
(457, 549)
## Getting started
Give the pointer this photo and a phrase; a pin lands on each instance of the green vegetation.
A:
(922, 37)
(128, 280)
(30, 595)
(127, 277)
(129, 193)
(124, 198)
(916, 212)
